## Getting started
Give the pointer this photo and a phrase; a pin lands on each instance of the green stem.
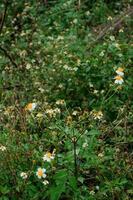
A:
(75, 160)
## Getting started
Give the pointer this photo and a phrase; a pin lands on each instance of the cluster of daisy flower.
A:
(41, 172)
(53, 112)
(119, 77)
(70, 68)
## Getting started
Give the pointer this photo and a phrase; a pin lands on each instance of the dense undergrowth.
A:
(66, 85)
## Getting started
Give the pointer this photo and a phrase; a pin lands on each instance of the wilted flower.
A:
(41, 173)
(69, 120)
(110, 18)
(49, 111)
(60, 102)
(75, 112)
(28, 66)
(23, 175)
(97, 114)
(56, 110)
(49, 156)
(52, 112)
(2, 148)
(92, 192)
(100, 155)
(31, 106)
(121, 31)
(66, 67)
(118, 80)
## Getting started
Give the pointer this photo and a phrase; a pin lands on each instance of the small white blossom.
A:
(60, 102)
(28, 66)
(112, 38)
(100, 155)
(101, 54)
(110, 18)
(85, 144)
(45, 182)
(75, 113)
(92, 192)
(2, 148)
(23, 175)
(75, 21)
(97, 187)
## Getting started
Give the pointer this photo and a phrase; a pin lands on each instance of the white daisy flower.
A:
(31, 106)
(120, 72)
(118, 80)
(41, 173)
(48, 157)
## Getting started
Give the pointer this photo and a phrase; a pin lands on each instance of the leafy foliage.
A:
(66, 99)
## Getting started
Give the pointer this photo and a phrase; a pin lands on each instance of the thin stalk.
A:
(75, 159)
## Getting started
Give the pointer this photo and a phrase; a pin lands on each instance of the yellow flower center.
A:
(119, 78)
(40, 172)
(120, 69)
(49, 155)
(29, 106)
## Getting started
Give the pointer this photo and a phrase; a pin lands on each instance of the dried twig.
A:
(1, 27)
(4, 16)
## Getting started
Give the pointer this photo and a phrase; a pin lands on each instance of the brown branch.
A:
(112, 26)
(115, 24)
(1, 27)
(4, 16)
(9, 56)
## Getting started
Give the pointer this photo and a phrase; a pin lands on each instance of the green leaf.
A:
(60, 176)
(73, 182)
(4, 189)
(55, 192)
(94, 132)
